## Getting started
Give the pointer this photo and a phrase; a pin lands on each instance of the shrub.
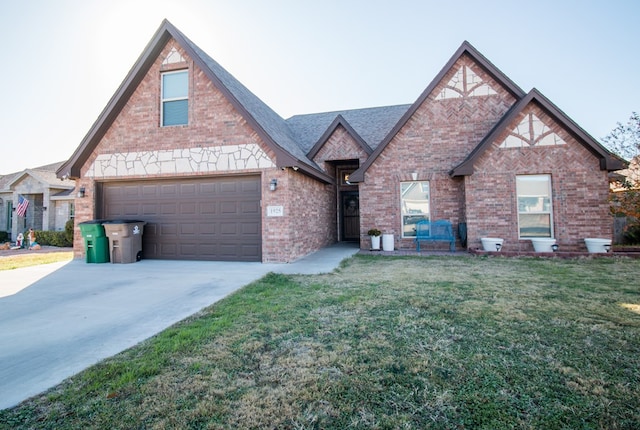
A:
(4, 237)
(53, 238)
(68, 230)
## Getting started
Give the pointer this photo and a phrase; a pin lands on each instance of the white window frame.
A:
(425, 187)
(545, 207)
(172, 99)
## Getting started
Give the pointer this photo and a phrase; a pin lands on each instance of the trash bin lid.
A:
(123, 221)
(93, 227)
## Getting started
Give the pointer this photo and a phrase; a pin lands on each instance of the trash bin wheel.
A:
(139, 256)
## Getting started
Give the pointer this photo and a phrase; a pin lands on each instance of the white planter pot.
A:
(387, 242)
(595, 245)
(489, 243)
(543, 244)
(375, 242)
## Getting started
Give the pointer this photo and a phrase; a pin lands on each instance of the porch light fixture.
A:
(555, 247)
(498, 247)
(273, 184)
(607, 247)
(44, 208)
(81, 193)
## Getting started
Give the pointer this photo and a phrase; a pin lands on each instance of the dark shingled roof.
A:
(372, 124)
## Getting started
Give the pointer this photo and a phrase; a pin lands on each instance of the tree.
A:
(624, 140)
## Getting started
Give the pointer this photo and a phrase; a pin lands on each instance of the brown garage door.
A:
(191, 219)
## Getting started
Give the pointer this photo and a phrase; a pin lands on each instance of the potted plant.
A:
(375, 238)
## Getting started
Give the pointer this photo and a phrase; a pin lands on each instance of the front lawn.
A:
(406, 342)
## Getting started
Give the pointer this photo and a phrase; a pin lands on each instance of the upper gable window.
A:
(175, 101)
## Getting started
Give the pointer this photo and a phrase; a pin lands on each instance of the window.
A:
(415, 205)
(534, 206)
(175, 90)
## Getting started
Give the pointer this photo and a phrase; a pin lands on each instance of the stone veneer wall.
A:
(180, 161)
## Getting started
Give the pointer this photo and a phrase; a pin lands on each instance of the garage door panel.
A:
(187, 190)
(166, 229)
(208, 228)
(188, 229)
(249, 229)
(198, 219)
(149, 209)
(188, 208)
(250, 207)
(169, 189)
(207, 208)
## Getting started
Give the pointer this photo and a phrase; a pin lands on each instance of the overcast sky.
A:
(63, 59)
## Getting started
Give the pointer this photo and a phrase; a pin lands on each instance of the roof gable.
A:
(371, 124)
(467, 87)
(608, 161)
(46, 175)
(339, 122)
(268, 125)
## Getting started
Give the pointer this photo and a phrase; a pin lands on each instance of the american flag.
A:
(23, 204)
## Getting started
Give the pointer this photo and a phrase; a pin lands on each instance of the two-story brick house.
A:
(218, 175)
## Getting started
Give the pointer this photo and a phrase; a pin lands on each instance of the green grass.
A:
(10, 262)
(407, 343)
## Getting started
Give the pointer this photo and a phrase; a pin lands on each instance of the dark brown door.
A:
(191, 219)
(350, 209)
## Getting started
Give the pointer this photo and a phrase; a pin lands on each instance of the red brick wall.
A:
(579, 187)
(436, 138)
(309, 221)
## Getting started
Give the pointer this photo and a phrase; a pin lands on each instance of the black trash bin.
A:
(125, 240)
(96, 244)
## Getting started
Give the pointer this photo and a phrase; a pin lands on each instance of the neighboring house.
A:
(48, 200)
(218, 175)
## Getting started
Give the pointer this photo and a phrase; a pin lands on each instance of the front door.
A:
(350, 207)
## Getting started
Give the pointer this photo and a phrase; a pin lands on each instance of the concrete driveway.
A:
(58, 319)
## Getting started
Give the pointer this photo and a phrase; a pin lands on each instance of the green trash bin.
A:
(96, 243)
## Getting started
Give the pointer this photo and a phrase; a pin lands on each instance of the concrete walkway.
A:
(58, 319)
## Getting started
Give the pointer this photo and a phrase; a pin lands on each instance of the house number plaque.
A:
(275, 210)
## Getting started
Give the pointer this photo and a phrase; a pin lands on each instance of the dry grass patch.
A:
(407, 342)
(10, 262)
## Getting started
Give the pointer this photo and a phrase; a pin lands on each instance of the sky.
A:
(62, 60)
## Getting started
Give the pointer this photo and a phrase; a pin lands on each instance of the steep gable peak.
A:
(338, 122)
(271, 128)
(463, 80)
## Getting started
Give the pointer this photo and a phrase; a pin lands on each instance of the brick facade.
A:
(469, 135)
